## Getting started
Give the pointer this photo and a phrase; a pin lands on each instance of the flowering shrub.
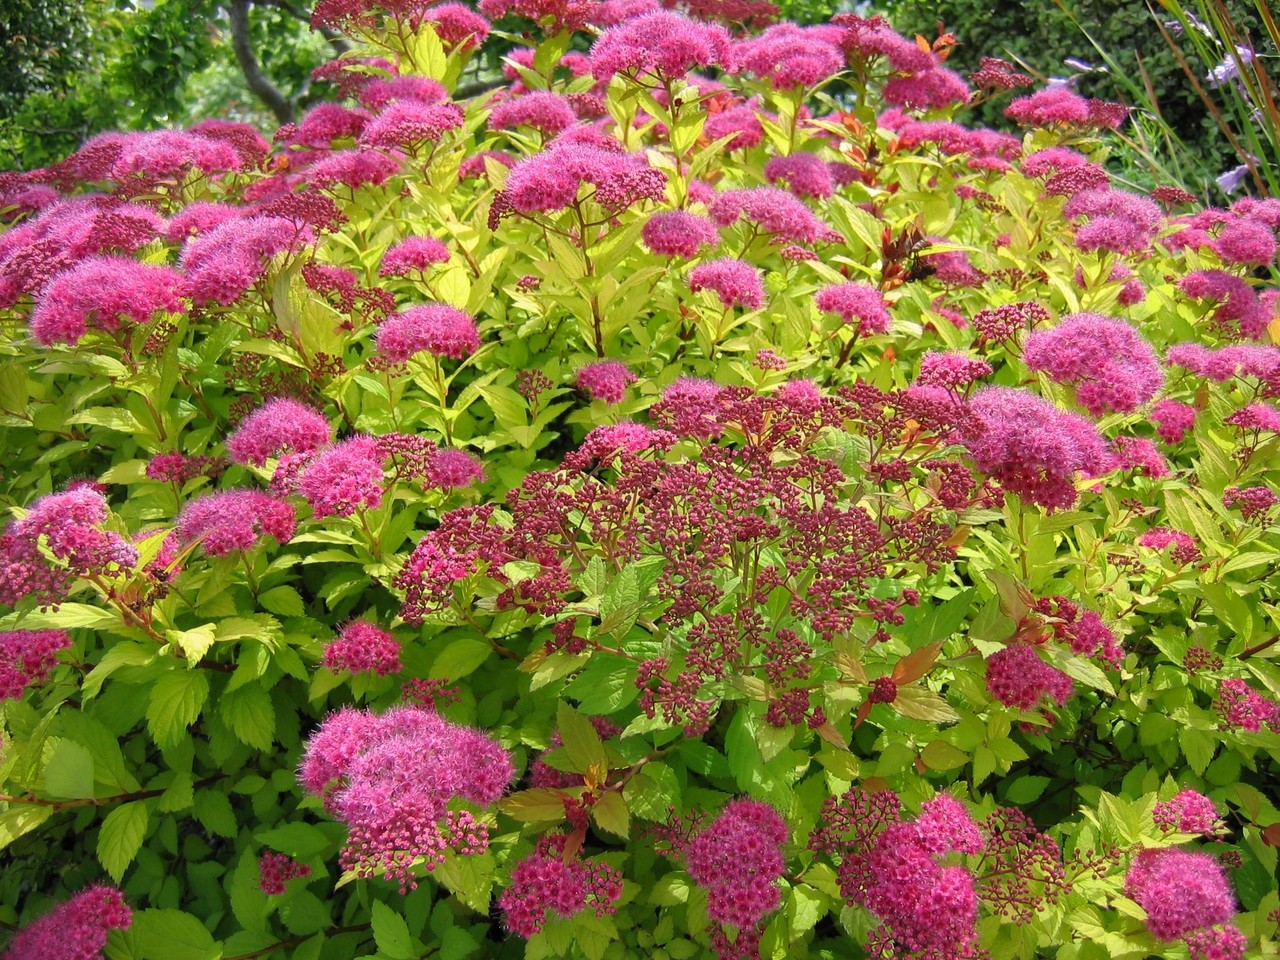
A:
(700, 499)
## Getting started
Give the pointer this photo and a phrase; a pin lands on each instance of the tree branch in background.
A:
(336, 40)
(259, 83)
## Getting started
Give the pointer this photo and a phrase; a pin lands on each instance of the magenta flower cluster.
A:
(67, 529)
(361, 647)
(1188, 812)
(546, 881)
(395, 780)
(1111, 366)
(1186, 894)
(77, 930)
(606, 380)
(1031, 447)
(26, 657)
(275, 870)
(738, 859)
(235, 520)
(435, 328)
(278, 427)
(856, 303)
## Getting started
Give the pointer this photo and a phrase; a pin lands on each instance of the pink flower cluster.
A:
(77, 930)
(26, 657)
(1254, 503)
(1188, 812)
(1184, 893)
(276, 869)
(1184, 550)
(770, 210)
(805, 174)
(1018, 677)
(278, 427)
(1239, 308)
(404, 123)
(925, 907)
(395, 778)
(67, 526)
(545, 881)
(738, 859)
(362, 647)
(544, 111)
(435, 328)
(1031, 447)
(952, 371)
(1118, 221)
(857, 303)
(224, 263)
(675, 233)
(735, 282)
(791, 56)
(1225, 363)
(344, 478)
(606, 380)
(232, 520)
(1058, 106)
(551, 180)
(1003, 323)
(662, 44)
(1108, 361)
(413, 254)
(1244, 708)
(1172, 420)
(102, 292)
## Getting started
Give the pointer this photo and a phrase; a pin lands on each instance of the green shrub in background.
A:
(1044, 35)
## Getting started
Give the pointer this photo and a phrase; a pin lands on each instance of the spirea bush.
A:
(653, 508)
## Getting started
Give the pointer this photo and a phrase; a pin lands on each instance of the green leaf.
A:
(172, 935)
(391, 933)
(302, 841)
(582, 746)
(610, 813)
(1198, 747)
(537, 804)
(940, 755)
(213, 810)
(470, 878)
(194, 643)
(108, 760)
(1026, 789)
(120, 837)
(285, 601)
(21, 819)
(68, 771)
(919, 703)
(461, 657)
(457, 943)
(176, 700)
(121, 654)
(250, 715)
(606, 685)
(248, 902)
(1080, 669)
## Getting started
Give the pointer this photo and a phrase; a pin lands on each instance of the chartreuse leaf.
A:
(120, 837)
(470, 878)
(581, 743)
(68, 771)
(21, 819)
